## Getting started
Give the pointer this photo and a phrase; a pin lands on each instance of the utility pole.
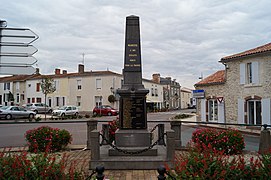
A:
(83, 60)
(3, 24)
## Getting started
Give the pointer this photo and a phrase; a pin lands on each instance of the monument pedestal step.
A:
(130, 162)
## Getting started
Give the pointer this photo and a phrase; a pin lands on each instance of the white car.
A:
(66, 111)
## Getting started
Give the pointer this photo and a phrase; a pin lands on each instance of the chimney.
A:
(156, 78)
(57, 71)
(80, 68)
(64, 72)
(168, 78)
(37, 70)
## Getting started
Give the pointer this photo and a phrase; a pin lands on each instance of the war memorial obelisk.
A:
(133, 116)
(133, 140)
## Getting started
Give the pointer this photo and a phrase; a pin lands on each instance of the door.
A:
(254, 112)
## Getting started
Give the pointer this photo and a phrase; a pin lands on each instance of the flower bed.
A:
(24, 165)
(217, 154)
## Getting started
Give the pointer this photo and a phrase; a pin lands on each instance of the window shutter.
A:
(255, 72)
(266, 111)
(221, 114)
(203, 110)
(240, 111)
(242, 73)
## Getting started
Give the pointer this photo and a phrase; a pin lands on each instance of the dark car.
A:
(105, 110)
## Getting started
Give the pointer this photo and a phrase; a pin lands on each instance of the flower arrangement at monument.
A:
(46, 138)
(113, 127)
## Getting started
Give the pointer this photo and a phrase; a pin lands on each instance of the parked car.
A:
(66, 111)
(105, 110)
(10, 112)
(38, 107)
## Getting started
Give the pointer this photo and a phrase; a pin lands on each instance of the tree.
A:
(47, 87)
(111, 98)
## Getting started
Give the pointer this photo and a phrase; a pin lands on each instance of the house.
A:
(85, 89)
(171, 91)
(242, 89)
(186, 97)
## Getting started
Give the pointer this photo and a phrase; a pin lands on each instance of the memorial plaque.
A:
(133, 113)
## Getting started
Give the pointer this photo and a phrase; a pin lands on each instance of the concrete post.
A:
(265, 143)
(170, 145)
(176, 126)
(105, 129)
(95, 145)
(91, 125)
(161, 130)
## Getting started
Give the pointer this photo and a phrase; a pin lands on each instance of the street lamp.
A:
(112, 90)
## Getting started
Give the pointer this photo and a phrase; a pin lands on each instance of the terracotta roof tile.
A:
(260, 49)
(216, 78)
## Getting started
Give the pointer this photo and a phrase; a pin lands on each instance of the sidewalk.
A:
(243, 129)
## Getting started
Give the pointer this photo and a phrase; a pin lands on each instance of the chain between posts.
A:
(154, 128)
(131, 152)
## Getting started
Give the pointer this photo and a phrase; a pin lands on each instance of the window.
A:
(249, 73)
(7, 86)
(28, 100)
(213, 110)
(254, 111)
(38, 87)
(29, 85)
(152, 93)
(98, 84)
(98, 100)
(38, 100)
(57, 101)
(79, 84)
(63, 101)
(56, 83)
(78, 100)
(17, 97)
(156, 92)
(33, 100)
(17, 86)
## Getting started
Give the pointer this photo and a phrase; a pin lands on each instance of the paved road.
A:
(12, 135)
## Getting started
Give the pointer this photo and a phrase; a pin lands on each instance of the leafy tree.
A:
(47, 87)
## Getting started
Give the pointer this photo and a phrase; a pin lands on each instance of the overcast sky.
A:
(179, 38)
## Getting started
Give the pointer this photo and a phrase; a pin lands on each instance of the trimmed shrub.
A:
(230, 141)
(46, 138)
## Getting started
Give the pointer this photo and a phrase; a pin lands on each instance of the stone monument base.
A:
(133, 138)
(130, 162)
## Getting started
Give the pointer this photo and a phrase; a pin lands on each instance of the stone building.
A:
(171, 91)
(85, 89)
(186, 97)
(243, 89)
